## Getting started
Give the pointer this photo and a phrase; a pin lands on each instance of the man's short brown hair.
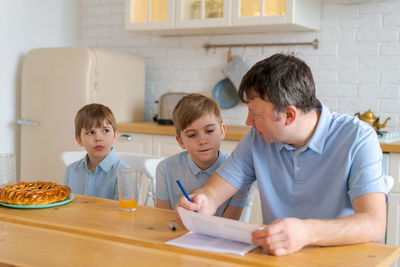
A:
(192, 107)
(93, 115)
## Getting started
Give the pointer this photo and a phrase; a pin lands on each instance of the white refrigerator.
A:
(56, 83)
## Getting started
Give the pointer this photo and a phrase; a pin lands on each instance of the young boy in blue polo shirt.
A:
(96, 173)
(199, 130)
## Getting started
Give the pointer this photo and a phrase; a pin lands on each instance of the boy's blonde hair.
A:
(93, 115)
(192, 107)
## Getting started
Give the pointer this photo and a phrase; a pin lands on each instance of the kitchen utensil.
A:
(225, 93)
(235, 70)
(166, 105)
(370, 118)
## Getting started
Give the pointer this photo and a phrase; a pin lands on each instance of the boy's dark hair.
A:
(93, 115)
(283, 80)
(190, 108)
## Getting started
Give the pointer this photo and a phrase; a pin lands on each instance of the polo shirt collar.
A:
(317, 141)
(196, 170)
(107, 162)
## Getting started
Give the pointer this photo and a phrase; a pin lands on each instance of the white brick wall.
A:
(357, 66)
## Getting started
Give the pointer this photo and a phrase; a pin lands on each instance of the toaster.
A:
(166, 105)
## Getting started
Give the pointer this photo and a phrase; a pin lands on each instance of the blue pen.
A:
(184, 191)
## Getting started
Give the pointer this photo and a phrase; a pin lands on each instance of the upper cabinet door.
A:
(189, 17)
(149, 14)
(285, 14)
(203, 13)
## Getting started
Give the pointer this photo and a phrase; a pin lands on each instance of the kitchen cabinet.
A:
(149, 14)
(133, 142)
(157, 144)
(190, 17)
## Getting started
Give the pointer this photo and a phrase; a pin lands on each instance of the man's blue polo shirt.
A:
(342, 160)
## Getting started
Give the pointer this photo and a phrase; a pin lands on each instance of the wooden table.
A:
(93, 232)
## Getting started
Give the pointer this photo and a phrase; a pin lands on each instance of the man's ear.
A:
(291, 114)
(180, 142)
(78, 140)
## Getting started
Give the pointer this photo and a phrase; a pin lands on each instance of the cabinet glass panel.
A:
(159, 10)
(250, 8)
(214, 9)
(274, 7)
(139, 10)
(199, 9)
(191, 9)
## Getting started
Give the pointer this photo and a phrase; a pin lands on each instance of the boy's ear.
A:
(180, 142)
(223, 130)
(116, 134)
(78, 140)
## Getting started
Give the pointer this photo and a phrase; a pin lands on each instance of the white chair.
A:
(249, 204)
(69, 157)
(389, 181)
(143, 162)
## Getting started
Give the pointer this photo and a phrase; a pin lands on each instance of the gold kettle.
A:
(370, 118)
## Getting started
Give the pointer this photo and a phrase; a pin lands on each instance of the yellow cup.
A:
(127, 188)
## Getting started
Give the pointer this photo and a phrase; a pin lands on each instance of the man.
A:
(319, 173)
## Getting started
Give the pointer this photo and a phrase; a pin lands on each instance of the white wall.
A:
(24, 25)
(356, 67)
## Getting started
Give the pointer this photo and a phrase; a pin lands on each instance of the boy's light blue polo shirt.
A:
(181, 166)
(342, 160)
(102, 183)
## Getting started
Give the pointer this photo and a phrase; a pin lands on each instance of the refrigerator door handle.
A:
(127, 137)
(27, 122)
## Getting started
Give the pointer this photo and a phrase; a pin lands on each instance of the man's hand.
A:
(200, 203)
(283, 236)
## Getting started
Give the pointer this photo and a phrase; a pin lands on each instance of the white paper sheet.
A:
(214, 233)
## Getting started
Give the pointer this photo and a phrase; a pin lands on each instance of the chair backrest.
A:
(69, 157)
(143, 162)
(389, 181)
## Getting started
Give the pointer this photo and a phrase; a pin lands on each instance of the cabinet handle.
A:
(27, 122)
(127, 137)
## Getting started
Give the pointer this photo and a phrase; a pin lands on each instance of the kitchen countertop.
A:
(233, 133)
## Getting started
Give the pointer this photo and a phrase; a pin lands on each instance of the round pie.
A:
(34, 193)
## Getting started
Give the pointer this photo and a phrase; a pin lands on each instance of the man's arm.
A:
(207, 198)
(232, 212)
(288, 235)
(163, 204)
